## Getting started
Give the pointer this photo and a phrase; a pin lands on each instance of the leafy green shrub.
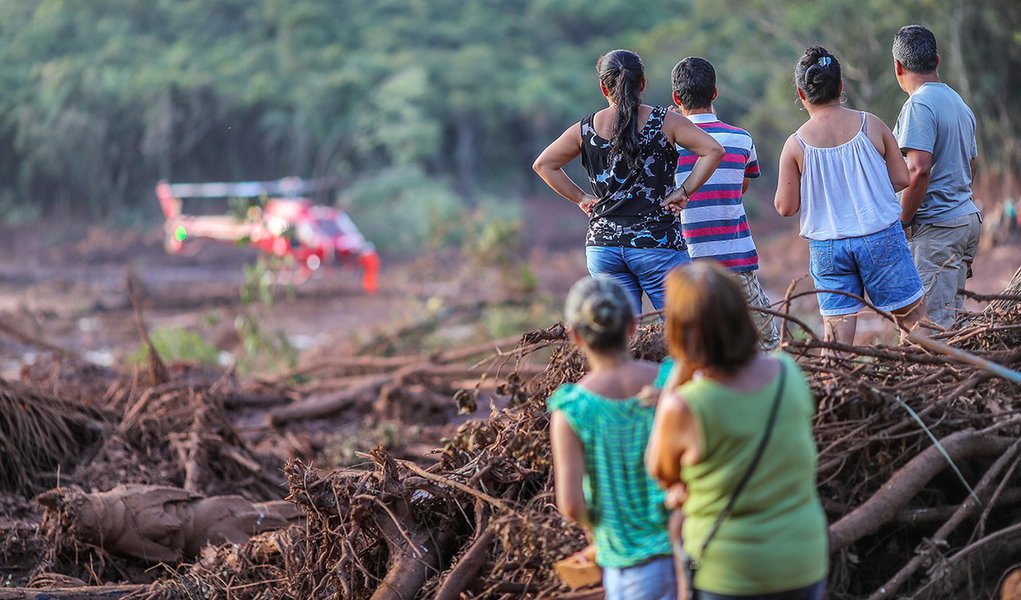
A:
(177, 344)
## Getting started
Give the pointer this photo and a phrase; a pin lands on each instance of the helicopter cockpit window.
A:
(328, 227)
(305, 232)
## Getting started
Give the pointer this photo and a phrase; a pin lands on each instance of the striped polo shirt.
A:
(714, 223)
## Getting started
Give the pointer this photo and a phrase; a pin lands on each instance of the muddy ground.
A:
(68, 286)
(66, 290)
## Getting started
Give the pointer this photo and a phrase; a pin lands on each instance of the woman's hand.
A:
(588, 204)
(683, 132)
(550, 166)
(676, 494)
(585, 555)
(676, 201)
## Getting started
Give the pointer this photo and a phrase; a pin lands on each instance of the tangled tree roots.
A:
(254, 570)
(39, 434)
(918, 472)
(918, 458)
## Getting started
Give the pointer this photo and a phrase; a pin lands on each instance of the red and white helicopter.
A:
(287, 224)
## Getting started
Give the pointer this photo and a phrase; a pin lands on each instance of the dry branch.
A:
(73, 593)
(891, 499)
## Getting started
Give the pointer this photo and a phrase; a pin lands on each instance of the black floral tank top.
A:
(629, 211)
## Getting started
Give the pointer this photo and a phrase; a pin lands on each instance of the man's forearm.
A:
(701, 172)
(912, 196)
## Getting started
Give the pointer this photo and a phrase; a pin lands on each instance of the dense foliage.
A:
(102, 97)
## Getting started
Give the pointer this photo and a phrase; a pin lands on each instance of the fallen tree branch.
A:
(956, 567)
(38, 342)
(454, 484)
(890, 500)
(313, 408)
(967, 508)
(464, 572)
(966, 357)
(89, 592)
(939, 514)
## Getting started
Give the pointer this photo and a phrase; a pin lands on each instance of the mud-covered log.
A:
(323, 406)
(157, 523)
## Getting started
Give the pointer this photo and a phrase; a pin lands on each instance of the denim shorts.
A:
(654, 579)
(878, 264)
(637, 270)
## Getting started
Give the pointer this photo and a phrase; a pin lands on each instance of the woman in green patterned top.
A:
(710, 421)
(598, 430)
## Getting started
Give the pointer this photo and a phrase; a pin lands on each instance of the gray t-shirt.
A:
(935, 119)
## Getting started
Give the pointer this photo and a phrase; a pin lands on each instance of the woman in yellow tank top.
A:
(716, 405)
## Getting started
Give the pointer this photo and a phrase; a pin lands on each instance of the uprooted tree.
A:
(918, 473)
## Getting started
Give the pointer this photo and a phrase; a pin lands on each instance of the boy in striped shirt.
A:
(713, 222)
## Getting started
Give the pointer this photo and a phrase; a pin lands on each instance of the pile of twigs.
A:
(917, 470)
(252, 571)
(39, 434)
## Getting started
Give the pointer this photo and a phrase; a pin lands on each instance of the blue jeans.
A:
(816, 591)
(637, 270)
(654, 579)
(879, 264)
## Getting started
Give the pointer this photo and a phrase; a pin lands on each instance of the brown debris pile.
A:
(39, 434)
(918, 472)
(479, 524)
(144, 460)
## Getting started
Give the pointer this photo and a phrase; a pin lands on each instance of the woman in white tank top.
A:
(842, 170)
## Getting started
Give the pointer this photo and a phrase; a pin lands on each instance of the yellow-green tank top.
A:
(775, 539)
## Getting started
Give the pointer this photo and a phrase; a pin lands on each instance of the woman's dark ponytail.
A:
(622, 73)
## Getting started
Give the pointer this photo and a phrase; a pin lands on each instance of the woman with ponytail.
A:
(629, 150)
(842, 170)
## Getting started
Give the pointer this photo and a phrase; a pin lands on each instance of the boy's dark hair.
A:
(914, 47)
(817, 73)
(694, 82)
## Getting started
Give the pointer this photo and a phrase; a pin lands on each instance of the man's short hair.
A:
(914, 47)
(694, 82)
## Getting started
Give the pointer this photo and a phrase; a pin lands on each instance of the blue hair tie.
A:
(824, 61)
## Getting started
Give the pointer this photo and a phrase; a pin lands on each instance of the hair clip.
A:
(824, 61)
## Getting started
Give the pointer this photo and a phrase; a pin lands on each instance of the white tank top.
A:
(846, 190)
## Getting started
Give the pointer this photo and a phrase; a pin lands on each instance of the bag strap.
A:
(751, 468)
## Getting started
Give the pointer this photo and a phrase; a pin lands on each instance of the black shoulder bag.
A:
(691, 564)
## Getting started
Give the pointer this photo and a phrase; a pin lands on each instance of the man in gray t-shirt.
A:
(936, 133)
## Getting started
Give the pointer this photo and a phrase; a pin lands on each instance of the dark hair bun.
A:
(817, 74)
(599, 310)
(604, 314)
